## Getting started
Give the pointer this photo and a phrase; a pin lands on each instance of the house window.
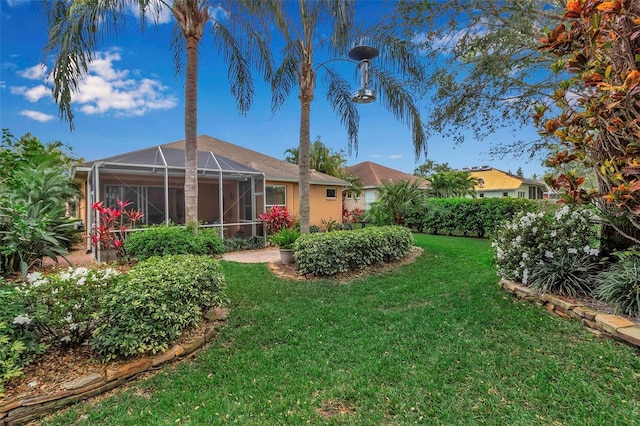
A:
(331, 193)
(369, 198)
(349, 196)
(520, 194)
(505, 194)
(276, 195)
(481, 195)
(480, 182)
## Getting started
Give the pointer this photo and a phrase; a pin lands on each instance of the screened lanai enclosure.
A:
(230, 194)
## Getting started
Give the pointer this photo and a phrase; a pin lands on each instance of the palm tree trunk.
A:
(303, 165)
(191, 133)
(306, 96)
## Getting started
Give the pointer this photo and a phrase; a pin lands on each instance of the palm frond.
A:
(339, 96)
(396, 98)
(75, 28)
(239, 68)
(285, 77)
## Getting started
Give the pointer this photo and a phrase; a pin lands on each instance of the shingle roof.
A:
(495, 179)
(273, 168)
(373, 174)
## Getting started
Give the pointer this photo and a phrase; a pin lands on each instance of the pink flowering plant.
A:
(62, 308)
(111, 230)
(277, 218)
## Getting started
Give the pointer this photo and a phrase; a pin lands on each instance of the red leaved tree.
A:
(598, 124)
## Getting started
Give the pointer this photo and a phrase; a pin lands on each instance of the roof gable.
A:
(373, 174)
(494, 179)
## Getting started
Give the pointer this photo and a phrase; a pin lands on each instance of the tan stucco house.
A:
(372, 175)
(235, 185)
(494, 183)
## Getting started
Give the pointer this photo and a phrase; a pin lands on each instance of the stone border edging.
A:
(17, 411)
(609, 325)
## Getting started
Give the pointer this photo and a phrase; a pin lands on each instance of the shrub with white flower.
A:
(63, 308)
(535, 238)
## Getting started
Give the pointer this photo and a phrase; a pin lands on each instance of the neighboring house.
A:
(494, 183)
(235, 185)
(372, 175)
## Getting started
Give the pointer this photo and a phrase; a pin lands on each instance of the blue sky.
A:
(132, 99)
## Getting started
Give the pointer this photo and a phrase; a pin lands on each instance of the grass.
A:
(435, 342)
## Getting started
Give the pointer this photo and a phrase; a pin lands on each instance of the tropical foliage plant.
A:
(277, 218)
(596, 118)
(110, 232)
(452, 184)
(284, 238)
(18, 343)
(397, 202)
(568, 274)
(619, 285)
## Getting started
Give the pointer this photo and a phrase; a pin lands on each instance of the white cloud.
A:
(3, 85)
(396, 156)
(36, 72)
(8, 66)
(157, 12)
(32, 94)
(107, 89)
(14, 3)
(37, 116)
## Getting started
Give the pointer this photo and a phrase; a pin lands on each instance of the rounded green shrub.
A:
(168, 240)
(158, 299)
(329, 253)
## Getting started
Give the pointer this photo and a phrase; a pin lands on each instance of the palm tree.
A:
(303, 35)
(321, 158)
(76, 27)
(452, 184)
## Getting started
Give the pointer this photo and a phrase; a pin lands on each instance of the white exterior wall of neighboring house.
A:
(353, 201)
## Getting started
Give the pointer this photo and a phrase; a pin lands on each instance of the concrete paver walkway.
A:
(254, 256)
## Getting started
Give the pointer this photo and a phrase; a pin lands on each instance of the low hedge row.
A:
(329, 253)
(169, 240)
(467, 216)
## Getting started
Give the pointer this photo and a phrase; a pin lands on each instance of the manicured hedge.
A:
(159, 298)
(467, 216)
(332, 252)
(167, 240)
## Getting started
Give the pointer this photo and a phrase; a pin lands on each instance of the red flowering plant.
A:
(351, 216)
(111, 230)
(277, 218)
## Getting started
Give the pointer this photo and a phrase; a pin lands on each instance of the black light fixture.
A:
(364, 55)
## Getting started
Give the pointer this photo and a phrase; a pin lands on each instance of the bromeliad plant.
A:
(277, 218)
(111, 230)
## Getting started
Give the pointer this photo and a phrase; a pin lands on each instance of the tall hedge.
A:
(467, 216)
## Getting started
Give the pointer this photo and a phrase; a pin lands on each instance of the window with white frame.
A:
(349, 196)
(276, 195)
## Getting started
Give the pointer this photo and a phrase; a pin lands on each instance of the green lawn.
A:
(435, 342)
